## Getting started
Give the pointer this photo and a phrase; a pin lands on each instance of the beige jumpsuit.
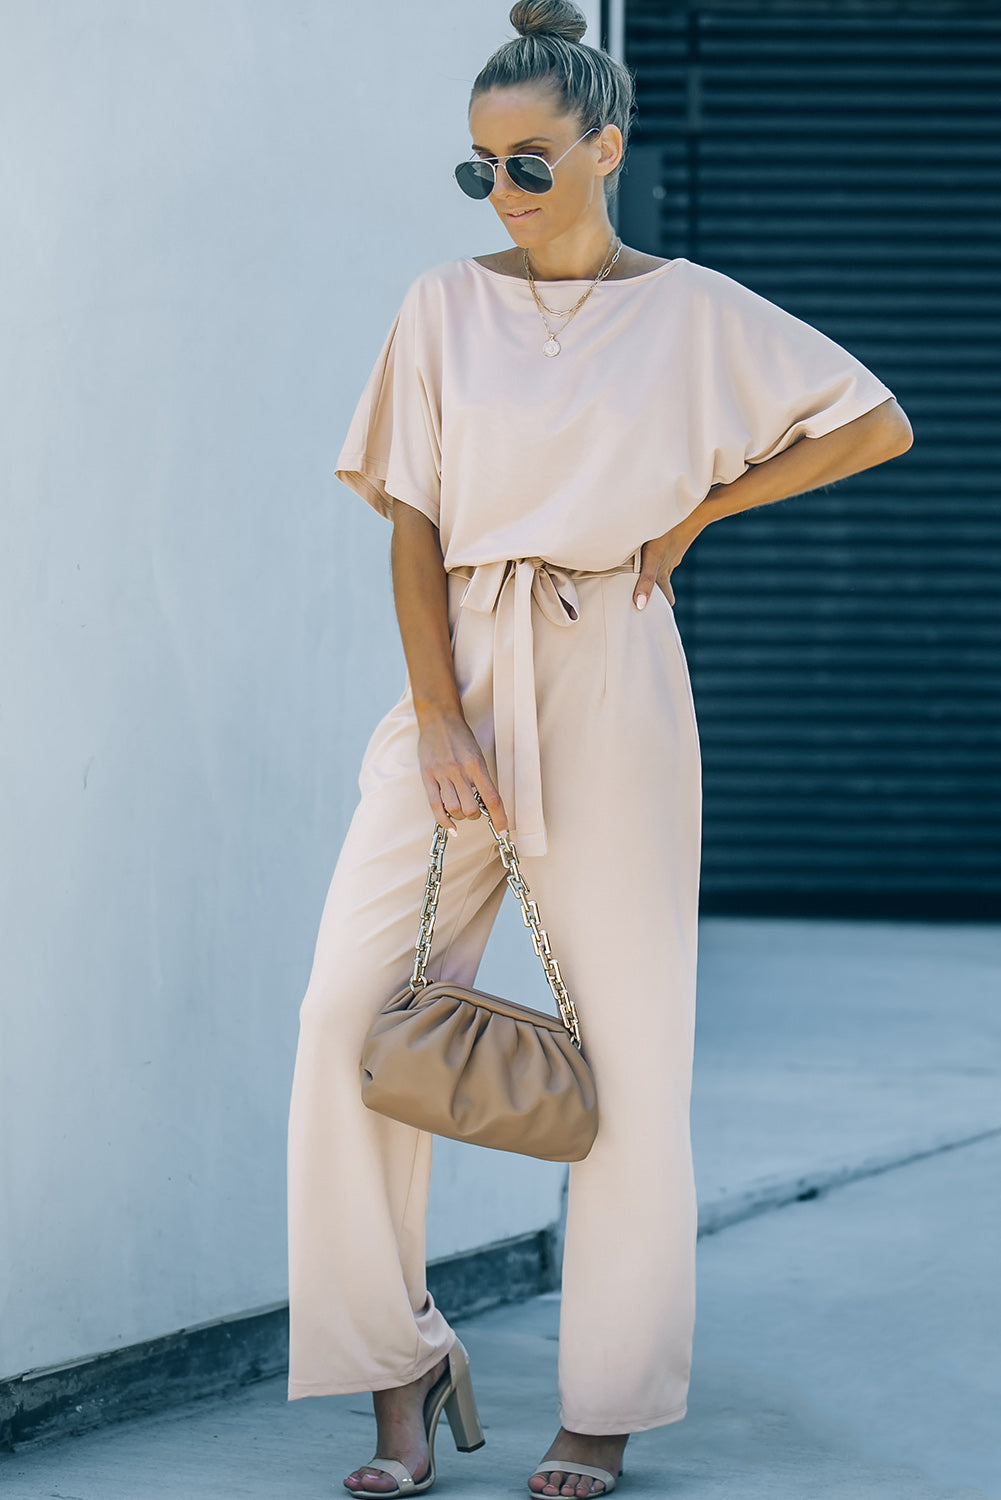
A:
(545, 477)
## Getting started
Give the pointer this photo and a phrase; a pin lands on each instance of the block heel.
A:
(460, 1404)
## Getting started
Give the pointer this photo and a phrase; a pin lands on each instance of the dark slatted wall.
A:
(845, 645)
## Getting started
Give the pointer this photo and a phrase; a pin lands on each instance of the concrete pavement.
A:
(828, 1049)
(847, 1345)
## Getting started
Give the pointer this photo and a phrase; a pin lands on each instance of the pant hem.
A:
(297, 1389)
(606, 1428)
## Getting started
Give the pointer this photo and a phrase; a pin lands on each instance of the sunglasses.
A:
(530, 174)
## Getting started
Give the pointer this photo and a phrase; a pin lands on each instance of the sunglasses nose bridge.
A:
(511, 186)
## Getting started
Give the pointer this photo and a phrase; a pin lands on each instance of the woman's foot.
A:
(399, 1416)
(596, 1452)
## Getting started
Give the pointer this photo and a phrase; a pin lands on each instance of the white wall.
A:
(210, 215)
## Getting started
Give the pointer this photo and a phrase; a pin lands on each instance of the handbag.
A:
(464, 1064)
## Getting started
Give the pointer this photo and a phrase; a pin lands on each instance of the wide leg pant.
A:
(618, 893)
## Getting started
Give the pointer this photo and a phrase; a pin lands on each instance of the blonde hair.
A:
(586, 81)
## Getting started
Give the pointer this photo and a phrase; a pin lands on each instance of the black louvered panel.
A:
(845, 646)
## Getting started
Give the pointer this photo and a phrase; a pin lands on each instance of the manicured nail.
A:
(640, 601)
(453, 831)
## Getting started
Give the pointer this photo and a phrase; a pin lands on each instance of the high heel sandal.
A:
(453, 1394)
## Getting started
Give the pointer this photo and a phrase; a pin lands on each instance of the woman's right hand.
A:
(452, 765)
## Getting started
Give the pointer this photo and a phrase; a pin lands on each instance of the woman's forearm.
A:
(420, 589)
(876, 436)
(870, 439)
(452, 764)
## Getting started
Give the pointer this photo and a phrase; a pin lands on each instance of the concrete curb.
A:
(771, 1193)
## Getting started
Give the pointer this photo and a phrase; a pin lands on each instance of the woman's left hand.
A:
(659, 559)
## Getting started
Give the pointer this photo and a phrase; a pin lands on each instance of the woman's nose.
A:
(502, 182)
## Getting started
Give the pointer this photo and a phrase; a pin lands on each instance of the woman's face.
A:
(526, 118)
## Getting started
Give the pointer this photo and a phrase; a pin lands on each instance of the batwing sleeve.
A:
(392, 450)
(772, 378)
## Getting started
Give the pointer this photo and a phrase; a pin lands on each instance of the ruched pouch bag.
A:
(474, 1067)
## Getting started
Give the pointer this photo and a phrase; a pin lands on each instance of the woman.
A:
(549, 428)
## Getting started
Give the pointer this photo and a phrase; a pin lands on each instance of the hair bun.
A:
(549, 18)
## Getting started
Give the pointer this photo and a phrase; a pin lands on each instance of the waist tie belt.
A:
(507, 589)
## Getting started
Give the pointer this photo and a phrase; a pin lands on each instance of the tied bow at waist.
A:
(507, 589)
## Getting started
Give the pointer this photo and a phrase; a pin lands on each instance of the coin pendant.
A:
(550, 348)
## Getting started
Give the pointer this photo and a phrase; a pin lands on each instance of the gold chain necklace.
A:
(552, 345)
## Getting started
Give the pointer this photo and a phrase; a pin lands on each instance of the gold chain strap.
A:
(529, 913)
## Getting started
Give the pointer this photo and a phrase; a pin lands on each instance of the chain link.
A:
(529, 914)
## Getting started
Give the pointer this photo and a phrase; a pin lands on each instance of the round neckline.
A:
(574, 280)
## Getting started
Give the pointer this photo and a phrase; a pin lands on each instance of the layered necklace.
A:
(552, 345)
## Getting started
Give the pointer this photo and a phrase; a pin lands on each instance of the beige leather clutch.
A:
(475, 1067)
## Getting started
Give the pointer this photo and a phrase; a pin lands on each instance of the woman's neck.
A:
(579, 260)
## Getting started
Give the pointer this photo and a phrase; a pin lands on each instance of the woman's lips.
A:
(525, 213)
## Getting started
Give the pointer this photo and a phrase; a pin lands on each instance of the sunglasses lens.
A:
(530, 173)
(476, 178)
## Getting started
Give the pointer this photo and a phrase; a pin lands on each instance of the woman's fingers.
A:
(650, 578)
(651, 559)
(454, 770)
(442, 798)
(467, 802)
(476, 778)
(644, 588)
(452, 801)
(658, 560)
(495, 806)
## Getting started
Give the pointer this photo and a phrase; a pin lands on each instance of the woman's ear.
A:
(610, 141)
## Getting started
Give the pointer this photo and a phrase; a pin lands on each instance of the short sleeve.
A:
(393, 445)
(775, 378)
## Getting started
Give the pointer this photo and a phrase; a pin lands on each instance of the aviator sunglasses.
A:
(530, 174)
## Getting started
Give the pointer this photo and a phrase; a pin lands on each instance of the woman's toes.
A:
(582, 1486)
(371, 1479)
